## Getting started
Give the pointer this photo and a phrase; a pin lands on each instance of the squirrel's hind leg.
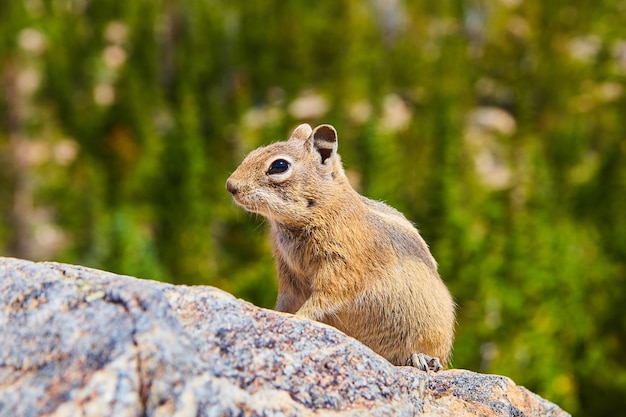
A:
(424, 362)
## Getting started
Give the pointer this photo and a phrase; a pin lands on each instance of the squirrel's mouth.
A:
(247, 205)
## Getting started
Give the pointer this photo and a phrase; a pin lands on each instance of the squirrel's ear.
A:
(301, 132)
(325, 141)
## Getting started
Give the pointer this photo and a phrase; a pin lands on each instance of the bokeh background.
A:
(498, 127)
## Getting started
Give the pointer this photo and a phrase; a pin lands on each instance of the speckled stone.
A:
(76, 341)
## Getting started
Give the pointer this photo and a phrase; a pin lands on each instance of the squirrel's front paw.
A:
(424, 362)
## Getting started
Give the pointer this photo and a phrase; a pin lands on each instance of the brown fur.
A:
(351, 262)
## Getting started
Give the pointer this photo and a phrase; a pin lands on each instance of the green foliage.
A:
(497, 127)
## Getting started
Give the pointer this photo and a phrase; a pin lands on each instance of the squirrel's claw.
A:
(425, 363)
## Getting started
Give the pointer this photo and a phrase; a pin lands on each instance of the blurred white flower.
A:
(28, 81)
(511, 3)
(65, 151)
(32, 41)
(585, 48)
(32, 152)
(488, 353)
(484, 124)
(104, 94)
(492, 119)
(49, 238)
(594, 94)
(114, 56)
(396, 113)
(360, 112)
(116, 32)
(258, 117)
(309, 105)
(492, 169)
(518, 27)
(391, 15)
(609, 91)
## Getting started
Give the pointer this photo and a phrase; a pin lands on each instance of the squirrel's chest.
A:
(301, 252)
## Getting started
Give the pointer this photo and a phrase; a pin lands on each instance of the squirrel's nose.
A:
(231, 186)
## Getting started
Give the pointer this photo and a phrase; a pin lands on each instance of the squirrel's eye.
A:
(278, 167)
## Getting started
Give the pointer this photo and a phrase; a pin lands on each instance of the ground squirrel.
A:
(343, 259)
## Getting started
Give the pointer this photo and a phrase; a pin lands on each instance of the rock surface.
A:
(76, 341)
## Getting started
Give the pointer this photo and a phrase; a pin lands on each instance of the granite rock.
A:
(76, 341)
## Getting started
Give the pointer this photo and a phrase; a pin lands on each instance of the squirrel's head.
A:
(289, 181)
